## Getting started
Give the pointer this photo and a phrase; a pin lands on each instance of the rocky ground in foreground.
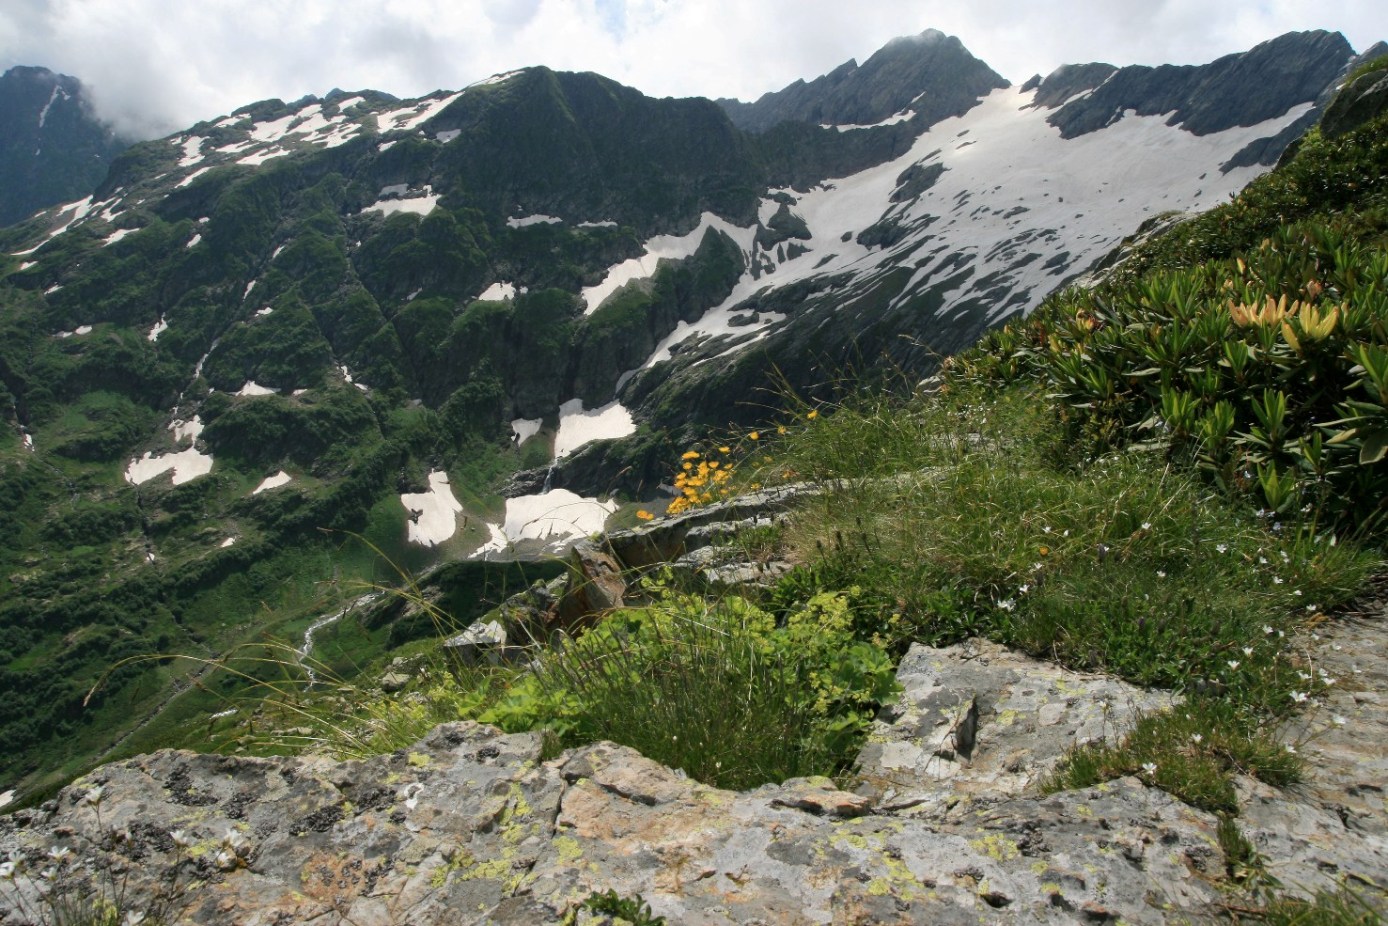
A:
(944, 825)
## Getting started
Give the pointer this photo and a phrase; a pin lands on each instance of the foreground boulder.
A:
(471, 825)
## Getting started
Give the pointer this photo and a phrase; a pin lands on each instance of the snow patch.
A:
(525, 428)
(410, 118)
(890, 120)
(252, 388)
(603, 224)
(494, 79)
(75, 213)
(523, 221)
(280, 478)
(499, 290)
(191, 177)
(577, 427)
(447, 136)
(192, 150)
(673, 247)
(52, 98)
(193, 241)
(265, 311)
(551, 517)
(433, 514)
(422, 203)
(117, 235)
(229, 542)
(159, 328)
(260, 157)
(185, 464)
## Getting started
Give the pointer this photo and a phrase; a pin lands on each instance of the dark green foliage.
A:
(103, 426)
(320, 430)
(632, 909)
(1266, 364)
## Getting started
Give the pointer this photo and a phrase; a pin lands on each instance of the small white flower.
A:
(1313, 608)
(1276, 580)
(1267, 628)
(1023, 589)
(1338, 721)
(1147, 525)
(58, 853)
(1285, 557)
(1221, 548)
(93, 796)
(1196, 738)
(1065, 533)
(181, 838)
(1248, 651)
(133, 918)
(1045, 530)
(1296, 592)
(1328, 680)
(1299, 696)
(1304, 676)
(1161, 573)
(6, 871)
(1036, 567)
(1291, 749)
(1149, 767)
(1007, 604)
(1233, 663)
(1336, 647)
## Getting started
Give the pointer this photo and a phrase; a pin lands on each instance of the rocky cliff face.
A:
(52, 149)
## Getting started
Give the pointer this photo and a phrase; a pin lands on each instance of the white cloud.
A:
(157, 65)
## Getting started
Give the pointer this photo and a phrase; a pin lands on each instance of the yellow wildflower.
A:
(644, 515)
(814, 413)
(690, 455)
(754, 436)
(725, 450)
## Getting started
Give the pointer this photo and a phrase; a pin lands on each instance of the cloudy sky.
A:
(158, 65)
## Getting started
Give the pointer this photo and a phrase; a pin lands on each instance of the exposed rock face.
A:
(52, 149)
(471, 826)
(981, 720)
(1239, 89)
(1366, 98)
(932, 74)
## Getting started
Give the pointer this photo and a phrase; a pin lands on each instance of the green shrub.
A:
(716, 689)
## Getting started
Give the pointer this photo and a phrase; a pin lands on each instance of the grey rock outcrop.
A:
(473, 826)
(980, 720)
(1364, 99)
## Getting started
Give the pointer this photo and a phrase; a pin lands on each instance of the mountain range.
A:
(481, 323)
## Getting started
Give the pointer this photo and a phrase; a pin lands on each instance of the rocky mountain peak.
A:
(930, 76)
(1241, 89)
(52, 148)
